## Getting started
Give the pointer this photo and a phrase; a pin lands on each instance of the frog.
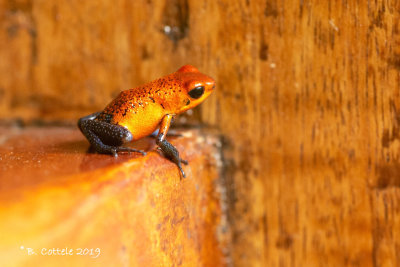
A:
(140, 112)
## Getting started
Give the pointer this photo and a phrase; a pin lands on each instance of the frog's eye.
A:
(197, 92)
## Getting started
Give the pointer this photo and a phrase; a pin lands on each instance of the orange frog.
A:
(138, 112)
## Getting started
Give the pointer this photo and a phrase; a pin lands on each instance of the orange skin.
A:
(138, 112)
(142, 109)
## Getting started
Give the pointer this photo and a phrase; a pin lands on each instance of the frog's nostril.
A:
(211, 84)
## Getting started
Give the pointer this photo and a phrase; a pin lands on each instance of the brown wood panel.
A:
(307, 98)
(311, 108)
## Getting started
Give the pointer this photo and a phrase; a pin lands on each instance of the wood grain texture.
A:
(135, 209)
(307, 98)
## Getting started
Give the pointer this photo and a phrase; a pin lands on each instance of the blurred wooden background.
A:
(307, 98)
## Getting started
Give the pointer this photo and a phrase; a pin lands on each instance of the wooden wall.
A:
(307, 98)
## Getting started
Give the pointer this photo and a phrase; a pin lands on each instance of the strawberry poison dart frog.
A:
(138, 112)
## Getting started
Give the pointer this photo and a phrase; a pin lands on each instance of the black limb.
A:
(170, 133)
(88, 117)
(172, 154)
(105, 137)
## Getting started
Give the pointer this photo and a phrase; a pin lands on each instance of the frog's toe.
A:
(128, 149)
(183, 173)
(114, 152)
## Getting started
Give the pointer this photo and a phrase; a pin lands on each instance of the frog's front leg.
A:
(105, 137)
(169, 150)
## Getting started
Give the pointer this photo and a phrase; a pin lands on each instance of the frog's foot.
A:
(183, 161)
(172, 154)
(105, 137)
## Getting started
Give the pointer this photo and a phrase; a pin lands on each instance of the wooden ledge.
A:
(136, 210)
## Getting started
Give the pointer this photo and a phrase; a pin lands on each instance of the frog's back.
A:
(135, 109)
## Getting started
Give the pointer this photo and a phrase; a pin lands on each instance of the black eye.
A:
(196, 92)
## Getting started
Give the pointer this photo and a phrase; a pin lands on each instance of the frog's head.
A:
(196, 86)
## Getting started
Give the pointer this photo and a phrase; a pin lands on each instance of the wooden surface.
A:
(307, 98)
(136, 210)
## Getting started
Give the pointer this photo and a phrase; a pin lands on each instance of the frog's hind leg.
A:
(86, 118)
(105, 137)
